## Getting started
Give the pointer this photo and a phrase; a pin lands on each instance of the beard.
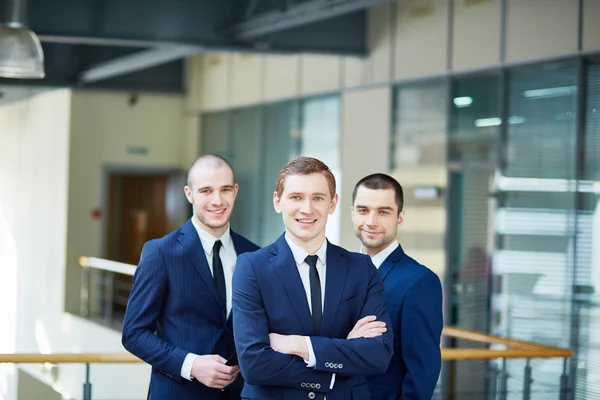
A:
(378, 243)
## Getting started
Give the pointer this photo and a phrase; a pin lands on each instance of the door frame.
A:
(111, 168)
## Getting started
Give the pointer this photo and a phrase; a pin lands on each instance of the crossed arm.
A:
(284, 365)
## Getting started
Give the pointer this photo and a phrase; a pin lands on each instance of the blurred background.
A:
(486, 111)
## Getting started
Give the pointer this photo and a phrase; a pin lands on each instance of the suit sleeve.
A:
(422, 322)
(361, 356)
(259, 363)
(143, 310)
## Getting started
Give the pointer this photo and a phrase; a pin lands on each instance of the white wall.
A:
(34, 141)
(362, 114)
(52, 150)
(103, 126)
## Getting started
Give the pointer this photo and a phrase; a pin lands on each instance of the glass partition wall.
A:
(522, 201)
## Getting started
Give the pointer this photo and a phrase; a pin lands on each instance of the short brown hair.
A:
(305, 166)
(379, 182)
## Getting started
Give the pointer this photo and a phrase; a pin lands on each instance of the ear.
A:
(188, 194)
(236, 187)
(276, 203)
(401, 218)
(333, 204)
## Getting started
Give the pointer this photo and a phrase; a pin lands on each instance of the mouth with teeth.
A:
(306, 223)
(217, 213)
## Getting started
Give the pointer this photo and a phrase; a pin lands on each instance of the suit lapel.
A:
(237, 242)
(287, 271)
(193, 248)
(390, 262)
(335, 281)
(238, 246)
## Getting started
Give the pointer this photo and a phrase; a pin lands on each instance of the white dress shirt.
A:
(380, 257)
(304, 270)
(228, 259)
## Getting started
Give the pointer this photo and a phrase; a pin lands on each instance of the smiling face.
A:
(305, 203)
(375, 217)
(211, 191)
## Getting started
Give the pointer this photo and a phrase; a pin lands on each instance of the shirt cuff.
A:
(186, 367)
(312, 361)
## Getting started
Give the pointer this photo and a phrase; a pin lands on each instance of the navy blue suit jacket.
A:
(268, 297)
(174, 309)
(414, 300)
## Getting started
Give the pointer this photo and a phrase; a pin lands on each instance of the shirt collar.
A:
(300, 254)
(208, 240)
(380, 257)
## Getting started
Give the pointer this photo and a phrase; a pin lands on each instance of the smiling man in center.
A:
(309, 317)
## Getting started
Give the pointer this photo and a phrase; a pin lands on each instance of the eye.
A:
(383, 212)
(204, 191)
(319, 198)
(362, 211)
(295, 197)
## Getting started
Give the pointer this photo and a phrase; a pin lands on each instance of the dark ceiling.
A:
(141, 44)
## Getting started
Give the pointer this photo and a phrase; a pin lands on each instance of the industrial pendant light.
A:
(21, 54)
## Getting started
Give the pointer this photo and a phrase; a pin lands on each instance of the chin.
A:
(304, 235)
(217, 224)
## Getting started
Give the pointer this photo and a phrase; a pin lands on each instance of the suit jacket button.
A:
(311, 395)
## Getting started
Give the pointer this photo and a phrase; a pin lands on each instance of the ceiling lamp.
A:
(21, 54)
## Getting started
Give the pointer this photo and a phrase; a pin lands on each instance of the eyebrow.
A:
(379, 208)
(301, 194)
(210, 187)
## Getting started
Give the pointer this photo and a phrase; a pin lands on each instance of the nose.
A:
(371, 219)
(306, 206)
(216, 198)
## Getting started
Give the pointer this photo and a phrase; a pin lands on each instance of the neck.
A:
(373, 251)
(309, 245)
(216, 232)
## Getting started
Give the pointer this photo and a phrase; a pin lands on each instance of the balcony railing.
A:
(514, 349)
(106, 286)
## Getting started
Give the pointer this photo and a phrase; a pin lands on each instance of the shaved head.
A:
(208, 162)
(211, 190)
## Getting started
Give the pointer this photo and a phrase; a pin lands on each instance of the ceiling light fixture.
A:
(463, 101)
(21, 54)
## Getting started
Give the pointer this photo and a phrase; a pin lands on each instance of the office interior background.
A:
(486, 111)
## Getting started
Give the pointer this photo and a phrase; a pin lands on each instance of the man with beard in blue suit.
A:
(413, 293)
(178, 317)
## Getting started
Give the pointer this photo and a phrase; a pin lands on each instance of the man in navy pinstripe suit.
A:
(178, 317)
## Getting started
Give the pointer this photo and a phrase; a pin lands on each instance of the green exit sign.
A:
(137, 150)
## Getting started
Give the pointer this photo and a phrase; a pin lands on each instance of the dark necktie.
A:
(218, 274)
(315, 292)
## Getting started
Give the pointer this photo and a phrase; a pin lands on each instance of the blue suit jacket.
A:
(414, 300)
(174, 309)
(268, 296)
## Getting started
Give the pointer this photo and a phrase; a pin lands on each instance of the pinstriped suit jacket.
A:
(174, 309)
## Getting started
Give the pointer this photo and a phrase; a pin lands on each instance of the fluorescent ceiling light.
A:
(550, 92)
(483, 122)
(515, 119)
(463, 101)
